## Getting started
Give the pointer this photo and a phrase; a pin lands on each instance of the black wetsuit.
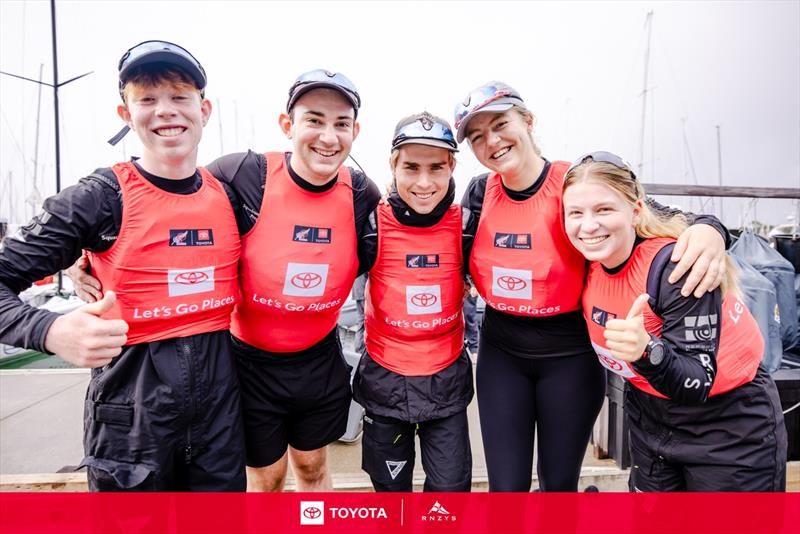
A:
(432, 406)
(734, 441)
(162, 416)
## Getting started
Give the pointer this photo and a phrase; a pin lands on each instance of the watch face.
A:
(656, 353)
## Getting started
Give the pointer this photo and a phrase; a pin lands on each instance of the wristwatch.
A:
(654, 351)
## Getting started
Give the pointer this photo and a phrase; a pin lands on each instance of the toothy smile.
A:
(594, 240)
(500, 153)
(325, 153)
(423, 196)
(172, 131)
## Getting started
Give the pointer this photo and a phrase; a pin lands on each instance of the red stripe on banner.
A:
(214, 513)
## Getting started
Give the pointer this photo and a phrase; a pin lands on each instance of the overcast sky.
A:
(578, 65)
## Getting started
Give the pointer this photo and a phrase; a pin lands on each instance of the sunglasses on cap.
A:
(161, 52)
(323, 78)
(603, 157)
(424, 128)
(157, 52)
(493, 96)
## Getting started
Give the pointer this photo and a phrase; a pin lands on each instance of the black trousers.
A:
(388, 453)
(165, 416)
(736, 441)
(558, 397)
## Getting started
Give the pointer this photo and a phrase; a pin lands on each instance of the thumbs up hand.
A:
(626, 338)
(82, 337)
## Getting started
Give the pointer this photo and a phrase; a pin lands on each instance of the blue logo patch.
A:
(311, 234)
(422, 261)
(520, 241)
(601, 316)
(191, 237)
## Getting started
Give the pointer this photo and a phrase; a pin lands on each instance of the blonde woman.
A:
(536, 369)
(704, 415)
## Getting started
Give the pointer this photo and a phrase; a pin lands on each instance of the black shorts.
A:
(302, 401)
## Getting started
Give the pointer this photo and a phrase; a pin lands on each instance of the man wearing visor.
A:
(162, 411)
(304, 214)
(415, 376)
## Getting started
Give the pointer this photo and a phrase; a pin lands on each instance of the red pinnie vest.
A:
(522, 261)
(298, 262)
(415, 295)
(174, 263)
(609, 296)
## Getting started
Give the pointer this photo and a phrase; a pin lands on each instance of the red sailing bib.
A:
(610, 296)
(414, 322)
(298, 262)
(522, 261)
(174, 263)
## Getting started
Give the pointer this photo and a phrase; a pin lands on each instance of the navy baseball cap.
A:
(323, 79)
(158, 52)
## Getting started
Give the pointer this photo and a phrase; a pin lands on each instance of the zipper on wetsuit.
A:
(186, 350)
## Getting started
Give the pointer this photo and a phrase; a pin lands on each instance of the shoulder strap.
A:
(105, 176)
(465, 214)
(660, 262)
(373, 220)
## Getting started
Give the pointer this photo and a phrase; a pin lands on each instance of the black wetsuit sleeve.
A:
(365, 199)
(80, 216)
(470, 226)
(690, 333)
(368, 244)
(244, 173)
(692, 218)
(473, 196)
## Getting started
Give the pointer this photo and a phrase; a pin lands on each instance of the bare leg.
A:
(268, 478)
(311, 469)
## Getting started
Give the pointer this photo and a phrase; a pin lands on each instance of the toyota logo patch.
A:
(306, 280)
(511, 283)
(423, 300)
(191, 278)
(611, 363)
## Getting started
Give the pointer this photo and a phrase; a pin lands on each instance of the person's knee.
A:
(268, 478)
(310, 467)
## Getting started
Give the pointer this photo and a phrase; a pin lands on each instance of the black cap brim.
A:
(305, 88)
(169, 58)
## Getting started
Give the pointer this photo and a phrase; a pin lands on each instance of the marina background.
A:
(579, 65)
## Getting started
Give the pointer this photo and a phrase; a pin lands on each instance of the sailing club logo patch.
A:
(311, 234)
(395, 467)
(521, 241)
(601, 316)
(191, 237)
(422, 261)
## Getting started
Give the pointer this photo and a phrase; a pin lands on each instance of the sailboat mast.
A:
(649, 23)
(38, 117)
(719, 168)
(55, 97)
